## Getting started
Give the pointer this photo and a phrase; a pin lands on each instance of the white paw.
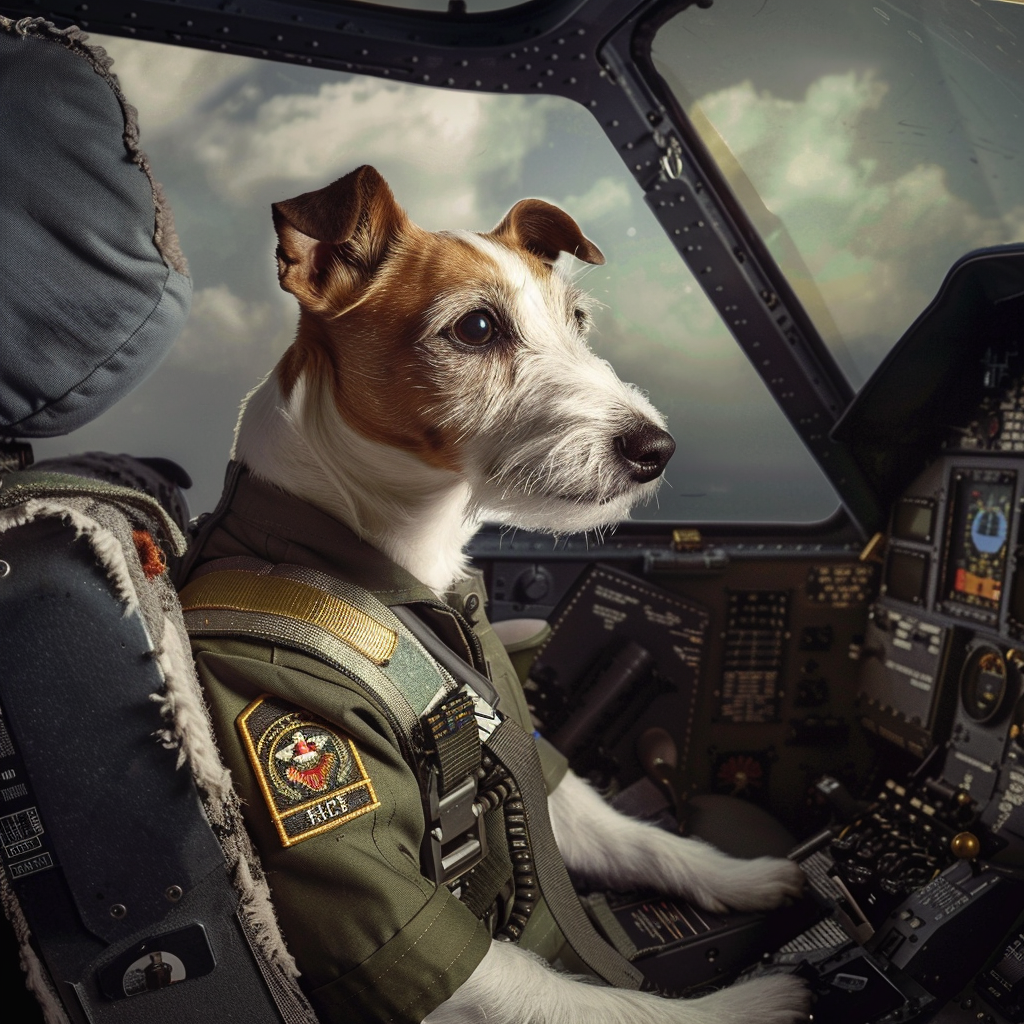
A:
(758, 884)
(776, 999)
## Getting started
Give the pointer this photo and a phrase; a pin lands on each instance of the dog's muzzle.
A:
(646, 450)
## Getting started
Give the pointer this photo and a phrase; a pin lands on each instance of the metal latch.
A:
(457, 839)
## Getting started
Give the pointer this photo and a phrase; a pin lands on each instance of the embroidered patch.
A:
(311, 775)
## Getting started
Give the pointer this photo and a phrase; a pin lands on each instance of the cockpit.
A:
(810, 643)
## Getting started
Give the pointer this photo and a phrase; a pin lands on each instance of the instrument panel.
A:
(941, 662)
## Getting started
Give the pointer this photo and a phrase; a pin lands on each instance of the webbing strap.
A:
(445, 656)
(239, 590)
(517, 751)
(452, 731)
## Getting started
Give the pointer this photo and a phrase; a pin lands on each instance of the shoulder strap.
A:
(347, 628)
(343, 625)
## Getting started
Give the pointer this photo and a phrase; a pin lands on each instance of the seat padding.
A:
(93, 286)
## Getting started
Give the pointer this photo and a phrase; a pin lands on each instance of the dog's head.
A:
(467, 351)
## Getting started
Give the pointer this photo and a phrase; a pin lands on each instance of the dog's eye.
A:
(475, 328)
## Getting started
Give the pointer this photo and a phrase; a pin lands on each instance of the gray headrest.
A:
(93, 286)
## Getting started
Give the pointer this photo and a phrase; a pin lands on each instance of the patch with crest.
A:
(310, 773)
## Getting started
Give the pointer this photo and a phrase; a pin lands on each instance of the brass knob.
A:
(965, 846)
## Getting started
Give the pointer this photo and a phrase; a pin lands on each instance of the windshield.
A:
(872, 143)
(229, 135)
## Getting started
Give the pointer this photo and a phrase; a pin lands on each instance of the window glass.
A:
(872, 144)
(228, 136)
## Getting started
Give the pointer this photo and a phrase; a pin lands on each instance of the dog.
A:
(441, 379)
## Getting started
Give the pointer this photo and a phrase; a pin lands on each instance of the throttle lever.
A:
(659, 756)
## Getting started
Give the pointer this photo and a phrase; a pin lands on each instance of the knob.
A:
(965, 846)
(533, 584)
(656, 748)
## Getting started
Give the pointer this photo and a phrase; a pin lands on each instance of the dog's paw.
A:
(776, 999)
(758, 884)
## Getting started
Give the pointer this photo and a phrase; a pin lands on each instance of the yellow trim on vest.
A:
(240, 591)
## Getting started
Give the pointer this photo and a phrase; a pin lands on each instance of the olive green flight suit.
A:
(375, 939)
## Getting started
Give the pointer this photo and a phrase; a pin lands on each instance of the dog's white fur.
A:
(534, 434)
(416, 514)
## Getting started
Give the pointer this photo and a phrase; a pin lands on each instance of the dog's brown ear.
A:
(331, 241)
(545, 230)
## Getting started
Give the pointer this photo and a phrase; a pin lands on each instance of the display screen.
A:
(906, 574)
(913, 520)
(979, 536)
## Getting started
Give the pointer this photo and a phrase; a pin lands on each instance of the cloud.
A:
(226, 333)
(145, 70)
(429, 138)
(606, 197)
(877, 242)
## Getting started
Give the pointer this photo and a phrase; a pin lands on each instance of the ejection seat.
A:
(127, 876)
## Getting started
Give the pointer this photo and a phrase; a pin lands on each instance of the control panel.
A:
(926, 878)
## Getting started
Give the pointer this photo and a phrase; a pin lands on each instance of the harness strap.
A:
(516, 750)
(346, 627)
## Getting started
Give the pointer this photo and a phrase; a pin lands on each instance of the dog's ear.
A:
(545, 230)
(331, 241)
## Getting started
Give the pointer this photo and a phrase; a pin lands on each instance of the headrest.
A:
(93, 286)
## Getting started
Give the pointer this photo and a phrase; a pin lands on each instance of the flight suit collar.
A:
(257, 518)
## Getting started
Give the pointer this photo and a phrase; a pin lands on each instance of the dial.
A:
(984, 683)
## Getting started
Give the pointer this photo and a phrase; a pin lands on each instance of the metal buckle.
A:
(457, 841)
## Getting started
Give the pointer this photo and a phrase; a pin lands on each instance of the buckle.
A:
(456, 837)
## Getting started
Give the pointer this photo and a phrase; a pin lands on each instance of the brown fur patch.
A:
(545, 231)
(386, 384)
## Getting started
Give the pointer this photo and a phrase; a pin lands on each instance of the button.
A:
(916, 922)
(906, 915)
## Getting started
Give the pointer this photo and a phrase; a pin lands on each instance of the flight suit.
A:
(374, 938)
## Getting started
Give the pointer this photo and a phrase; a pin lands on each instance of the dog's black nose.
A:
(647, 450)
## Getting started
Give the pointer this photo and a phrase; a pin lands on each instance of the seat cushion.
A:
(93, 286)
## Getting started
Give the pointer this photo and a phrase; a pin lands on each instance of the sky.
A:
(873, 146)
(227, 136)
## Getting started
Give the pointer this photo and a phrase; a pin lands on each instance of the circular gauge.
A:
(983, 683)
